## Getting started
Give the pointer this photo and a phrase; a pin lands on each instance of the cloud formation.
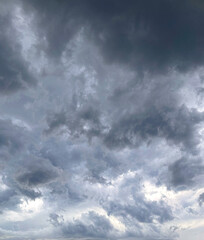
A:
(148, 35)
(101, 127)
(15, 70)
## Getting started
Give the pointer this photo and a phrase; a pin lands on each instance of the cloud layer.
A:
(101, 127)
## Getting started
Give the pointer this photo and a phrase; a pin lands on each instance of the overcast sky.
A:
(101, 119)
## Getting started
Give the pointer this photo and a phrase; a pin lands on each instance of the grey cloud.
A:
(36, 177)
(28, 175)
(117, 110)
(71, 192)
(56, 219)
(95, 178)
(84, 120)
(184, 171)
(95, 161)
(13, 142)
(13, 139)
(57, 37)
(6, 195)
(15, 73)
(30, 193)
(38, 172)
(9, 135)
(177, 125)
(90, 225)
(20, 190)
(201, 199)
(9, 199)
(142, 211)
(131, 205)
(131, 117)
(153, 36)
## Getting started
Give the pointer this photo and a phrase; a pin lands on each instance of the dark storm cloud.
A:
(184, 171)
(145, 35)
(114, 126)
(148, 35)
(15, 72)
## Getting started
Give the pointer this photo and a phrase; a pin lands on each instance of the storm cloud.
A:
(147, 35)
(102, 119)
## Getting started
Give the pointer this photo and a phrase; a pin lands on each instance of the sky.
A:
(101, 120)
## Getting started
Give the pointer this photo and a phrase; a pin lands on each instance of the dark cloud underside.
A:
(146, 35)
